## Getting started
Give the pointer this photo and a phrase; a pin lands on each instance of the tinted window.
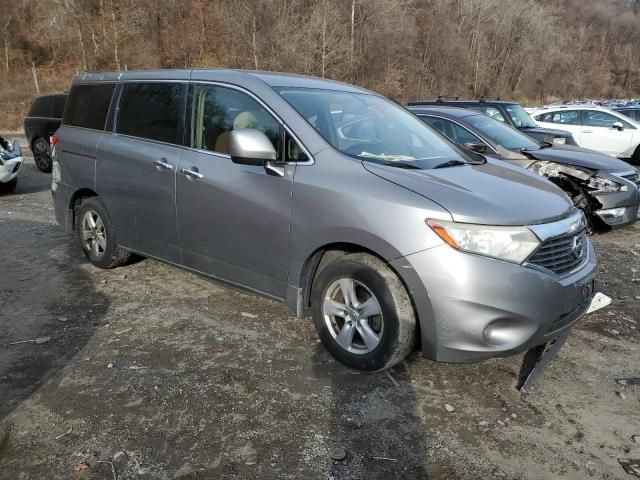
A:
(153, 111)
(565, 117)
(493, 112)
(502, 134)
(41, 107)
(519, 116)
(59, 102)
(596, 118)
(219, 110)
(88, 105)
(388, 133)
(452, 130)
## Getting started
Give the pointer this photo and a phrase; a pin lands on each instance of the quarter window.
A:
(88, 105)
(153, 111)
(219, 110)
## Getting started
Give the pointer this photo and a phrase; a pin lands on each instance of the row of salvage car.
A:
(601, 185)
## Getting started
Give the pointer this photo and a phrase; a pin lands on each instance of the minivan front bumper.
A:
(472, 307)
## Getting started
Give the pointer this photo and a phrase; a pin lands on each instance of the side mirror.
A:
(476, 147)
(618, 125)
(248, 146)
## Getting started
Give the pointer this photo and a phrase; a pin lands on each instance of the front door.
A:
(233, 220)
(598, 133)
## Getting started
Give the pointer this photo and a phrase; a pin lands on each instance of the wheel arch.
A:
(75, 201)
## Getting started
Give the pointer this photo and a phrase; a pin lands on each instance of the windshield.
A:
(372, 128)
(502, 134)
(520, 117)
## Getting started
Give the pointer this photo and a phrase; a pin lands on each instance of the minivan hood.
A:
(492, 194)
(581, 157)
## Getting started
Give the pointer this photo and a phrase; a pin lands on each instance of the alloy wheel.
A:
(353, 316)
(94, 239)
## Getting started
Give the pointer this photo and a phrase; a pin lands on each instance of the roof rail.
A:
(485, 99)
(439, 99)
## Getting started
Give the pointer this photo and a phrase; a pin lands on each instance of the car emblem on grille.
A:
(577, 247)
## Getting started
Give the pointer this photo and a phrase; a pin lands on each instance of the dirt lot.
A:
(148, 371)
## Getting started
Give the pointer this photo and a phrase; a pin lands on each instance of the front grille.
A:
(561, 255)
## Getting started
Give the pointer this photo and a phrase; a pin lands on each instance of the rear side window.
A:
(153, 111)
(88, 105)
(59, 102)
(569, 117)
(41, 107)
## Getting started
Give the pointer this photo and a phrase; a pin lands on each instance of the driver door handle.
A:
(587, 131)
(163, 164)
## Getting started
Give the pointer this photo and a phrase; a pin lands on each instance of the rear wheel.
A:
(42, 155)
(97, 237)
(362, 313)
(9, 186)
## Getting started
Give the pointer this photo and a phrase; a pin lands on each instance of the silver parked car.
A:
(382, 230)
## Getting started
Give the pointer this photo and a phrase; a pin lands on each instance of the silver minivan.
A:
(328, 197)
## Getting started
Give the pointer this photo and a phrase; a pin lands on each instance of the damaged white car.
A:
(11, 160)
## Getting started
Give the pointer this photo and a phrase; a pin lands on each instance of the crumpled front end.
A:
(11, 160)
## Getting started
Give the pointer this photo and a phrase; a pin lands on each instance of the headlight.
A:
(604, 185)
(513, 244)
(559, 141)
(589, 178)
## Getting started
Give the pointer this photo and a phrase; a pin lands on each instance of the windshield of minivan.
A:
(372, 128)
(520, 117)
(502, 134)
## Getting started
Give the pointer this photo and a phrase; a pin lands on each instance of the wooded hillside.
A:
(525, 49)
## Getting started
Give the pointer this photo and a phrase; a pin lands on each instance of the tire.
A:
(9, 186)
(42, 154)
(394, 327)
(635, 159)
(97, 236)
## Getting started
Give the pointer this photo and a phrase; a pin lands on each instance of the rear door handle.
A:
(162, 164)
(191, 174)
(587, 131)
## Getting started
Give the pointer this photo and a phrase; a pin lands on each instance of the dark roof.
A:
(273, 79)
(453, 112)
(447, 101)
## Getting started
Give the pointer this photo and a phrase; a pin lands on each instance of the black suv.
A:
(41, 122)
(508, 112)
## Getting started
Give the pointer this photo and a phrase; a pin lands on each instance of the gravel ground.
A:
(148, 371)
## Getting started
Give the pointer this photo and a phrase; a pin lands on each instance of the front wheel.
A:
(9, 186)
(362, 313)
(97, 236)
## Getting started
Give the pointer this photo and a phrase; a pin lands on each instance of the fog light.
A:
(612, 215)
(559, 141)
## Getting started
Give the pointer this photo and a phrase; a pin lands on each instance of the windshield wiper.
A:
(450, 163)
(401, 165)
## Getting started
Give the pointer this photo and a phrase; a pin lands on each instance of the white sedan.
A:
(10, 162)
(594, 127)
